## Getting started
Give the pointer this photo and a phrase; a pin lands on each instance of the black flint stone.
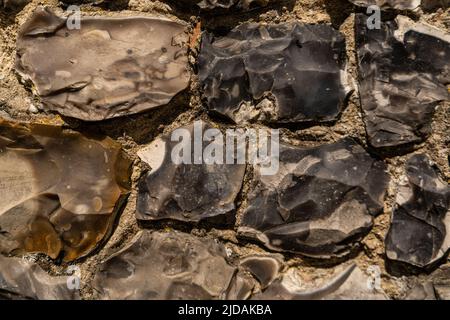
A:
(299, 68)
(319, 203)
(401, 82)
(187, 192)
(418, 232)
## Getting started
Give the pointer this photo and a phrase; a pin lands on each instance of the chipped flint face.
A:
(300, 70)
(47, 208)
(264, 268)
(419, 229)
(175, 265)
(349, 284)
(21, 279)
(190, 191)
(110, 67)
(405, 25)
(239, 146)
(403, 71)
(437, 285)
(320, 199)
(166, 265)
(424, 291)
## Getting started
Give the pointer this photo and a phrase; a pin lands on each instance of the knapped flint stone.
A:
(61, 191)
(320, 203)
(436, 286)
(403, 69)
(441, 282)
(349, 284)
(422, 292)
(21, 279)
(110, 67)
(264, 268)
(418, 234)
(241, 287)
(166, 266)
(301, 67)
(186, 192)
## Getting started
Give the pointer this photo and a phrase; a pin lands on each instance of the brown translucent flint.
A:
(60, 190)
(22, 279)
(166, 265)
(109, 67)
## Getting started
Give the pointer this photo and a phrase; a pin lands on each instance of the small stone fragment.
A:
(350, 284)
(320, 203)
(187, 191)
(264, 268)
(421, 219)
(422, 292)
(300, 67)
(436, 286)
(441, 282)
(403, 72)
(242, 287)
(61, 191)
(166, 265)
(20, 279)
(109, 67)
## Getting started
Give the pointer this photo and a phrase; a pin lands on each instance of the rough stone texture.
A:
(110, 67)
(350, 284)
(422, 292)
(403, 69)
(115, 4)
(21, 279)
(320, 201)
(242, 5)
(166, 265)
(60, 190)
(13, 4)
(441, 284)
(301, 68)
(264, 268)
(241, 287)
(435, 4)
(418, 233)
(403, 4)
(136, 131)
(435, 286)
(387, 4)
(187, 192)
